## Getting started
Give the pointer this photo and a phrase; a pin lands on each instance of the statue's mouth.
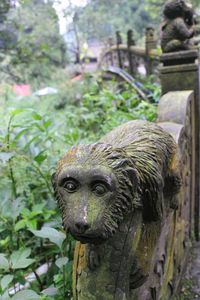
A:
(88, 239)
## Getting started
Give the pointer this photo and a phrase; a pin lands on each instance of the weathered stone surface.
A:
(173, 244)
(177, 75)
(179, 58)
(180, 72)
(176, 130)
(173, 107)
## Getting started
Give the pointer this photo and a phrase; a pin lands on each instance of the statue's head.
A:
(177, 8)
(96, 188)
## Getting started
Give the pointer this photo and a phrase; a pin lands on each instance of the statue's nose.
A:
(81, 226)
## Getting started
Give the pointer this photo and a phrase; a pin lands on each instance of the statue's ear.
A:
(133, 176)
(148, 196)
(133, 182)
(152, 199)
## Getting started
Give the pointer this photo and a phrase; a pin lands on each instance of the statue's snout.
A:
(81, 226)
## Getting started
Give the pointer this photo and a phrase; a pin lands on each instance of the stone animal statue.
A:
(113, 196)
(178, 26)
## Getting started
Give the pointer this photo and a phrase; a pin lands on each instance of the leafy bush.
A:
(31, 46)
(33, 136)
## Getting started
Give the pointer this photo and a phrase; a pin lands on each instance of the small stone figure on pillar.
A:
(178, 26)
(151, 39)
(130, 38)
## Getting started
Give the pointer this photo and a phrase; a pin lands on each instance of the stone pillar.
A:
(150, 44)
(119, 42)
(131, 58)
(110, 44)
(180, 72)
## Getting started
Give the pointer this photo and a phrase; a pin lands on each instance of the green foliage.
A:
(33, 136)
(187, 290)
(4, 8)
(27, 205)
(101, 19)
(33, 41)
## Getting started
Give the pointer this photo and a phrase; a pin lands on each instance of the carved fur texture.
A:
(138, 162)
(178, 26)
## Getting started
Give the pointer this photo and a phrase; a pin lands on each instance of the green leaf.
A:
(5, 281)
(47, 123)
(36, 116)
(61, 262)
(19, 259)
(19, 225)
(21, 133)
(4, 264)
(26, 294)
(30, 142)
(25, 212)
(12, 208)
(40, 157)
(17, 111)
(38, 207)
(50, 291)
(52, 234)
(5, 242)
(39, 127)
(32, 224)
(5, 296)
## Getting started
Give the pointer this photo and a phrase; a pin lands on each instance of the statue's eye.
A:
(71, 186)
(99, 189)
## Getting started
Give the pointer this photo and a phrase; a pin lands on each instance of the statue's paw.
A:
(137, 276)
(174, 203)
(93, 259)
(137, 280)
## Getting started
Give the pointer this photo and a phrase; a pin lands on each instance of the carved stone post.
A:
(151, 41)
(180, 72)
(110, 44)
(131, 58)
(150, 44)
(119, 42)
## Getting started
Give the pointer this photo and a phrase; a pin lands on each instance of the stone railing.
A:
(129, 56)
